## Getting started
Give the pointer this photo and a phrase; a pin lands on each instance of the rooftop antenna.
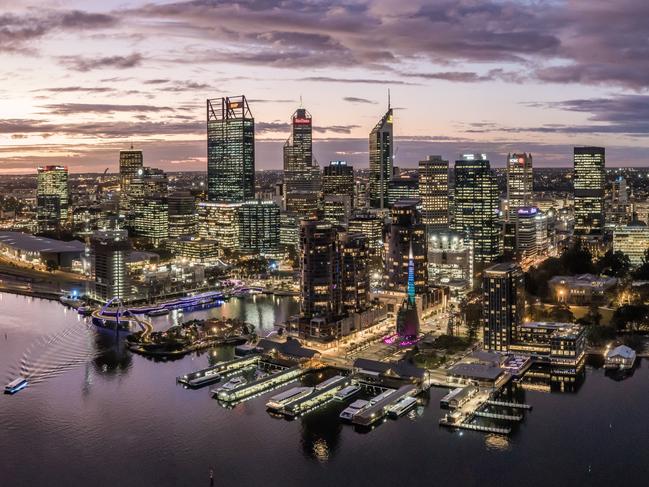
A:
(388, 98)
(301, 101)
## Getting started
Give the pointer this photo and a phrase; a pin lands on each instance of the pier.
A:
(322, 394)
(261, 385)
(214, 373)
(504, 417)
(515, 405)
(475, 427)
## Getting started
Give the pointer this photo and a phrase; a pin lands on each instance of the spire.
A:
(389, 106)
(301, 102)
(411, 276)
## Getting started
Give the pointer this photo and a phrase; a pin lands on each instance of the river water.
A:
(96, 415)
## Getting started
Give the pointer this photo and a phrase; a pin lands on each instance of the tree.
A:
(616, 264)
(561, 313)
(642, 272)
(631, 317)
(577, 259)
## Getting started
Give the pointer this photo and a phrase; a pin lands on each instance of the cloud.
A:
(70, 108)
(81, 63)
(470, 76)
(364, 81)
(76, 89)
(353, 99)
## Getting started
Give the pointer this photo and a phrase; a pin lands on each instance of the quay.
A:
(377, 410)
(515, 405)
(214, 373)
(322, 393)
(261, 385)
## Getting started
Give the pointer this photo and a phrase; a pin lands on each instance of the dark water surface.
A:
(96, 415)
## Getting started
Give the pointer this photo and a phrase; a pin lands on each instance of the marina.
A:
(214, 373)
(379, 405)
(261, 385)
(320, 395)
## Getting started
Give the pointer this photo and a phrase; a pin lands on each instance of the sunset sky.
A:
(81, 80)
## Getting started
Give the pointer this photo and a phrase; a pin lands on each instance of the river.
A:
(97, 415)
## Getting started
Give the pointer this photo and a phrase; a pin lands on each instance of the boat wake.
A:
(54, 354)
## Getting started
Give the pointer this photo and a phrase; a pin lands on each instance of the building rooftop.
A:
(476, 371)
(32, 243)
(401, 369)
(502, 267)
(291, 347)
(622, 351)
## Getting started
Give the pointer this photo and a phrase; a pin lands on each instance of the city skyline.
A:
(497, 77)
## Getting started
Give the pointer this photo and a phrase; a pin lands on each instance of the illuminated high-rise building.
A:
(338, 180)
(130, 163)
(182, 214)
(381, 148)
(503, 305)
(519, 182)
(400, 188)
(149, 206)
(301, 174)
(407, 235)
(219, 222)
(617, 207)
(109, 251)
(259, 227)
(475, 213)
(230, 150)
(354, 269)
(589, 179)
(433, 192)
(52, 198)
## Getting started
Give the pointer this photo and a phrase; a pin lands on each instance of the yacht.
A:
(401, 407)
(232, 384)
(280, 400)
(209, 377)
(353, 409)
(15, 385)
(346, 393)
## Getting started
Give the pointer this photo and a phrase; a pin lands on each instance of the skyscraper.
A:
(407, 235)
(381, 160)
(109, 250)
(503, 305)
(230, 150)
(476, 200)
(259, 227)
(149, 205)
(130, 163)
(301, 175)
(433, 192)
(355, 275)
(52, 198)
(319, 270)
(589, 178)
(338, 180)
(182, 214)
(519, 182)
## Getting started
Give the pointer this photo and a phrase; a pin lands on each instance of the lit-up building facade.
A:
(503, 305)
(149, 207)
(259, 227)
(130, 164)
(381, 146)
(337, 209)
(632, 240)
(433, 192)
(589, 179)
(475, 213)
(407, 235)
(519, 182)
(338, 180)
(230, 150)
(109, 251)
(52, 198)
(219, 222)
(301, 174)
(182, 214)
(402, 188)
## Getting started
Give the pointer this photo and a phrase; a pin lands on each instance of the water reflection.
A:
(113, 357)
(321, 431)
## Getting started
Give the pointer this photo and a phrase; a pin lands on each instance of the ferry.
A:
(16, 385)
(346, 393)
(158, 312)
(280, 400)
(401, 407)
(210, 377)
(232, 384)
(353, 409)
(85, 310)
(71, 300)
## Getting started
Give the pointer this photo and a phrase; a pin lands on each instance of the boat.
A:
(280, 400)
(232, 384)
(158, 312)
(71, 301)
(346, 393)
(85, 310)
(353, 409)
(209, 377)
(16, 385)
(401, 407)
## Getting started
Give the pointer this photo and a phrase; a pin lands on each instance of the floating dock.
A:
(214, 373)
(261, 385)
(475, 427)
(377, 410)
(322, 394)
(504, 417)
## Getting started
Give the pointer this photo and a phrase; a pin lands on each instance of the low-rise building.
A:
(562, 344)
(583, 289)
(40, 250)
